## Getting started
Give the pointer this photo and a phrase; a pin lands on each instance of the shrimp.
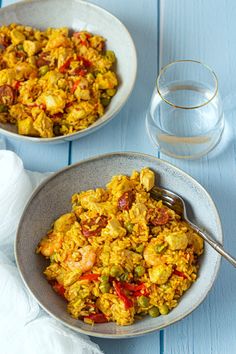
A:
(50, 244)
(87, 261)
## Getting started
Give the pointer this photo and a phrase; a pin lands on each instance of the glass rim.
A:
(187, 61)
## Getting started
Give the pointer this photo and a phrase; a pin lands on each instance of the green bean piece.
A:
(143, 301)
(105, 101)
(139, 270)
(164, 309)
(129, 227)
(3, 108)
(43, 70)
(154, 312)
(104, 287)
(116, 271)
(139, 248)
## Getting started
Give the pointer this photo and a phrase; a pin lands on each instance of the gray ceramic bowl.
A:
(52, 198)
(78, 15)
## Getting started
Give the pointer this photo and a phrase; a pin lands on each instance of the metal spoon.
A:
(176, 203)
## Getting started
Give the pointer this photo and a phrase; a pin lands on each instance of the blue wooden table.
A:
(163, 31)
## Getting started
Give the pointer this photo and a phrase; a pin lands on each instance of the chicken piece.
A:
(147, 179)
(7, 76)
(31, 47)
(57, 40)
(107, 80)
(160, 274)
(138, 210)
(25, 71)
(177, 240)
(62, 54)
(55, 101)
(197, 243)
(17, 37)
(50, 79)
(88, 198)
(81, 94)
(18, 112)
(65, 222)
(114, 229)
(119, 185)
(25, 127)
(44, 125)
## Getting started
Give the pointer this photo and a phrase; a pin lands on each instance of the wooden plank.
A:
(127, 130)
(205, 31)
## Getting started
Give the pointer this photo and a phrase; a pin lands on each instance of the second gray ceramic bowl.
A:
(78, 15)
(52, 198)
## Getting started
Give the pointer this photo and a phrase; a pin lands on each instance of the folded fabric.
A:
(24, 327)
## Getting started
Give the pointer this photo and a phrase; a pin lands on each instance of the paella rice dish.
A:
(119, 254)
(53, 82)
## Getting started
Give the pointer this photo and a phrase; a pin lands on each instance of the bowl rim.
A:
(95, 126)
(111, 155)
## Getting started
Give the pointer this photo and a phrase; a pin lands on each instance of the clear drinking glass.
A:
(185, 117)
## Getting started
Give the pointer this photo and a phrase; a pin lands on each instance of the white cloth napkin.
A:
(24, 327)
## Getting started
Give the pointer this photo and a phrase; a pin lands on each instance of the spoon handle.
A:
(217, 246)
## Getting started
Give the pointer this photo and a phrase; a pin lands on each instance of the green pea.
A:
(104, 287)
(105, 101)
(139, 248)
(111, 92)
(56, 130)
(159, 248)
(111, 55)
(129, 227)
(105, 278)
(139, 270)
(43, 70)
(154, 312)
(164, 309)
(116, 271)
(3, 108)
(143, 301)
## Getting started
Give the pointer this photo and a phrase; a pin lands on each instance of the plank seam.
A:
(161, 337)
(70, 153)
(158, 47)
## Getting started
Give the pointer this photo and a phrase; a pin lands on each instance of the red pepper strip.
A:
(180, 274)
(65, 66)
(85, 62)
(133, 287)
(97, 318)
(16, 85)
(74, 87)
(119, 291)
(89, 276)
(59, 288)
